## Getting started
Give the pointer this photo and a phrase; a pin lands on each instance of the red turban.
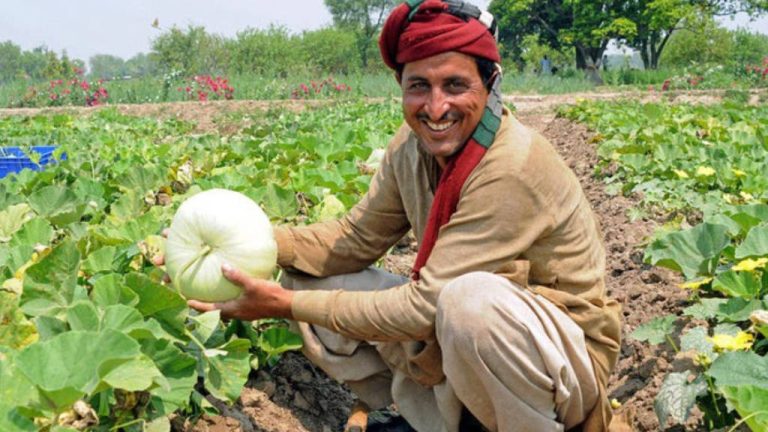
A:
(432, 30)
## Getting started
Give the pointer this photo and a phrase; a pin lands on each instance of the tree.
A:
(587, 25)
(140, 65)
(190, 52)
(583, 26)
(106, 66)
(10, 61)
(364, 18)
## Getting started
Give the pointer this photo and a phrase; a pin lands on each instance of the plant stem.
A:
(740, 422)
(116, 427)
(711, 386)
(672, 343)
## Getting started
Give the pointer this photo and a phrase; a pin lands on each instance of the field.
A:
(677, 181)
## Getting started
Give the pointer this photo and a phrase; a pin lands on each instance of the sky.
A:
(124, 27)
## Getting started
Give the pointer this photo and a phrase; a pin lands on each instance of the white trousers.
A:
(517, 362)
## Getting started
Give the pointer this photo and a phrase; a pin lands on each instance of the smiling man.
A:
(505, 319)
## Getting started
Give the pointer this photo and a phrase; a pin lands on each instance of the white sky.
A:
(124, 27)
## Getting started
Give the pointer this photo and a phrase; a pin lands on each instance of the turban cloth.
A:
(432, 28)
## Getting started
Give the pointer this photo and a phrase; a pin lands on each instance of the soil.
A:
(295, 396)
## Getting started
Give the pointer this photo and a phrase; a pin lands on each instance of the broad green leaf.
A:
(277, 340)
(110, 289)
(100, 260)
(82, 315)
(740, 369)
(706, 308)
(737, 309)
(71, 365)
(205, 324)
(142, 179)
(279, 203)
(696, 340)
(755, 244)
(35, 232)
(12, 219)
(48, 326)
(751, 402)
(58, 204)
(694, 252)
(677, 396)
(227, 373)
(17, 390)
(178, 368)
(159, 302)
(50, 284)
(744, 285)
(134, 375)
(120, 317)
(655, 331)
(16, 331)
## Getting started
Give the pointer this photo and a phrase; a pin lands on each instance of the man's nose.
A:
(437, 104)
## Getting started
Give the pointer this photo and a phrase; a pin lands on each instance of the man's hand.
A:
(260, 299)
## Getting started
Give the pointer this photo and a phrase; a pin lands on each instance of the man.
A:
(505, 316)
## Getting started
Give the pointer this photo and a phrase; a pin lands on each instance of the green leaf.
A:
(751, 403)
(655, 331)
(744, 285)
(121, 317)
(142, 179)
(677, 396)
(694, 252)
(740, 368)
(205, 324)
(12, 219)
(134, 375)
(82, 315)
(35, 232)
(50, 284)
(178, 368)
(71, 365)
(737, 309)
(755, 244)
(16, 330)
(49, 327)
(58, 204)
(100, 260)
(227, 373)
(277, 340)
(159, 302)
(279, 203)
(16, 390)
(706, 308)
(110, 289)
(696, 340)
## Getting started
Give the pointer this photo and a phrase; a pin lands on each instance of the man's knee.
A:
(470, 304)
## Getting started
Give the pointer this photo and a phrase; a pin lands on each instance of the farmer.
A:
(505, 318)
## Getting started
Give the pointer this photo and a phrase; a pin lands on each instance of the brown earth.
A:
(296, 396)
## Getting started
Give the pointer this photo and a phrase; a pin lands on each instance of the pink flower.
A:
(84, 85)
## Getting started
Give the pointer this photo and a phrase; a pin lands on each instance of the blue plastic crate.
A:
(13, 159)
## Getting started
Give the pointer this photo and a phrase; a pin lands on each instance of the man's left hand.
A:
(260, 299)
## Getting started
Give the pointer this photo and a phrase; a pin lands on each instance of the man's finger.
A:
(158, 260)
(202, 306)
(165, 232)
(234, 275)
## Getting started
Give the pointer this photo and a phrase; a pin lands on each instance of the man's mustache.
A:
(448, 116)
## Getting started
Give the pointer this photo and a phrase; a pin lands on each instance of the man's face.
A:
(443, 101)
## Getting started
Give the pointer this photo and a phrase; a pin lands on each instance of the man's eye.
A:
(419, 86)
(456, 86)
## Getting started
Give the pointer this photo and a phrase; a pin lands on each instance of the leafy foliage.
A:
(87, 319)
(704, 165)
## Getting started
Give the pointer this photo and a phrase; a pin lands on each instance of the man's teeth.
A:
(440, 126)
